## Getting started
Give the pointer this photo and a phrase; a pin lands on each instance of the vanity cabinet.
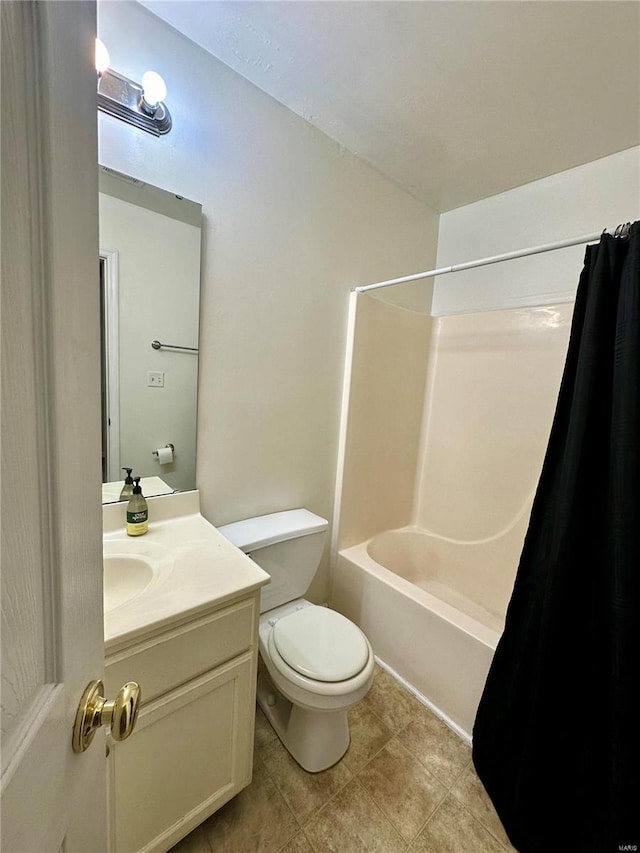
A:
(192, 748)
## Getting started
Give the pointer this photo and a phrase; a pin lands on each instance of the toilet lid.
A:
(321, 644)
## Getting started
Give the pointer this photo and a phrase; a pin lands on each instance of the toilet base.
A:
(315, 739)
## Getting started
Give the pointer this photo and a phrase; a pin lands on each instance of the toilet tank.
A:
(287, 545)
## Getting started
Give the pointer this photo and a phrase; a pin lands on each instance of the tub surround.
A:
(386, 382)
(425, 555)
(489, 402)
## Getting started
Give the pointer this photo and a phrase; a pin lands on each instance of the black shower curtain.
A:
(557, 732)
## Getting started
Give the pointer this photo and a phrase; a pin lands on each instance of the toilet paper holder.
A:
(168, 444)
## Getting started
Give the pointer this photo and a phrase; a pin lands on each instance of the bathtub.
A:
(433, 610)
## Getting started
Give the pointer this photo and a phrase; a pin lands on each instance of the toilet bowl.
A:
(314, 663)
(316, 666)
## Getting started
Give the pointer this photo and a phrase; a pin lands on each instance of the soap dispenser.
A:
(137, 511)
(127, 489)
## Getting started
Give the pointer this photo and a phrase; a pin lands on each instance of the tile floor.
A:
(406, 783)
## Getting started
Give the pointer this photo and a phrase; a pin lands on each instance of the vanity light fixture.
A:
(138, 104)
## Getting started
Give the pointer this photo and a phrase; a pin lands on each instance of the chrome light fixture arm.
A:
(124, 99)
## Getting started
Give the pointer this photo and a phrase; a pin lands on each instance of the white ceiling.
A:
(450, 99)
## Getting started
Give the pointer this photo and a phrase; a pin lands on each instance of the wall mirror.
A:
(150, 242)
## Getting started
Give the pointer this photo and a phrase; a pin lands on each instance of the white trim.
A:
(112, 345)
(344, 423)
(426, 702)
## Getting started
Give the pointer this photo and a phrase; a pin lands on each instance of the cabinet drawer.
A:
(161, 663)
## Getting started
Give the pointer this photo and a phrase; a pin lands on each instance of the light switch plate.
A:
(155, 379)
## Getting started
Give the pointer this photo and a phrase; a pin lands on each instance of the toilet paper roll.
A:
(165, 455)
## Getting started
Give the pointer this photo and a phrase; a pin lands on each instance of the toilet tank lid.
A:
(269, 529)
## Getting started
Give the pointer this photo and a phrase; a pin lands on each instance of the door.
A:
(52, 634)
(110, 365)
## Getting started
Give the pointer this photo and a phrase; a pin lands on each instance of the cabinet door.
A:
(191, 751)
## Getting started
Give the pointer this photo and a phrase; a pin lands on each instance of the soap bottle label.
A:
(137, 522)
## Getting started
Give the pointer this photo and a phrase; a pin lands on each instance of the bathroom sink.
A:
(125, 577)
(180, 568)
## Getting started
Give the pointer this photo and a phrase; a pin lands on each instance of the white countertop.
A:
(197, 568)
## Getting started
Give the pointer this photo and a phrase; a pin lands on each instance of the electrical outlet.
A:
(155, 379)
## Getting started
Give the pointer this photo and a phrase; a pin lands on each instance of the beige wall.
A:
(292, 223)
(584, 200)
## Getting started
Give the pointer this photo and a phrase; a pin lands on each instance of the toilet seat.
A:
(319, 644)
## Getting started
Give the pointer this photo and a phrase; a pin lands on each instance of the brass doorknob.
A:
(94, 711)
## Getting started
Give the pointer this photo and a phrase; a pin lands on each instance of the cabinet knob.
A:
(120, 714)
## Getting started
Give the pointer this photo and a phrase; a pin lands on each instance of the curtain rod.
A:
(494, 259)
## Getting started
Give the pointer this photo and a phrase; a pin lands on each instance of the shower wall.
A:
(381, 433)
(493, 384)
(448, 421)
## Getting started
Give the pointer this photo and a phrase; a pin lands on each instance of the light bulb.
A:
(102, 57)
(154, 88)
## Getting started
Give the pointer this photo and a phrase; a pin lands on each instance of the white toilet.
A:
(317, 663)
